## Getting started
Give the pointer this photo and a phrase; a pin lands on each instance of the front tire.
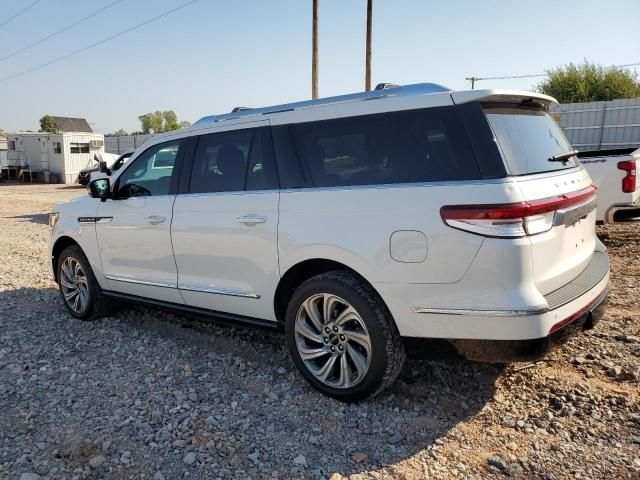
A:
(342, 337)
(81, 293)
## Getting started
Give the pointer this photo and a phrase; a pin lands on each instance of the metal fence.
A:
(600, 125)
(124, 143)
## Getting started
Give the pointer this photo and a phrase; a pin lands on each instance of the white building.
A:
(63, 154)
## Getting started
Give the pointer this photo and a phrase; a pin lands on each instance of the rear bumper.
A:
(485, 306)
(533, 349)
(627, 212)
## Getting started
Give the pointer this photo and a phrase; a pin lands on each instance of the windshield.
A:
(528, 138)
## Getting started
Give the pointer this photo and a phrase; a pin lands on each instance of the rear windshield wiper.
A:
(563, 157)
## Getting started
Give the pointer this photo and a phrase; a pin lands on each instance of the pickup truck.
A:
(614, 172)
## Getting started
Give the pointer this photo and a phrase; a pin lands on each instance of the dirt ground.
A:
(149, 394)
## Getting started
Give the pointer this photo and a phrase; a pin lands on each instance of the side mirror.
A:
(100, 188)
(103, 167)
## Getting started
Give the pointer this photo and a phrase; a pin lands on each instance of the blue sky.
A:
(217, 54)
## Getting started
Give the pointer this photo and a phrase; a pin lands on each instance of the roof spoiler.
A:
(499, 95)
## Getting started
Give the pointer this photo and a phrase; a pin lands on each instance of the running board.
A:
(212, 315)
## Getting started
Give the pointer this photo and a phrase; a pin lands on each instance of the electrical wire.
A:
(534, 75)
(58, 32)
(19, 13)
(99, 42)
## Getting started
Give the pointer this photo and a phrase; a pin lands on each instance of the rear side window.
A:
(232, 161)
(397, 147)
(528, 137)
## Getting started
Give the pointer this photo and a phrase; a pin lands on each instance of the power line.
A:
(99, 42)
(57, 32)
(19, 13)
(534, 75)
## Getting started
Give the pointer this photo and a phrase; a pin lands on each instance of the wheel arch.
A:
(58, 247)
(303, 271)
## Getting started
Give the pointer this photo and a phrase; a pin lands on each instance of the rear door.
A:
(532, 144)
(225, 223)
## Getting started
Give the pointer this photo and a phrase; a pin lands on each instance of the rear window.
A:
(396, 147)
(528, 137)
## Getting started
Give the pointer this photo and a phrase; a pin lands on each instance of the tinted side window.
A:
(397, 147)
(150, 173)
(233, 161)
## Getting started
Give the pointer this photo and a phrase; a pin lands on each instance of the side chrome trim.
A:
(139, 282)
(483, 313)
(222, 291)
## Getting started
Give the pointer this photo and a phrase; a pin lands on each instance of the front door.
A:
(224, 227)
(134, 229)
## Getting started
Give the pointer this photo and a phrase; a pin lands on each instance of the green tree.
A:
(158, 122)
(589, 82)
(185, 124)
(120, 132)
(170, 121)
(47, 124)
(151, 122)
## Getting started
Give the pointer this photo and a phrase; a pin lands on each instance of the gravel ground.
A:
(149, 394)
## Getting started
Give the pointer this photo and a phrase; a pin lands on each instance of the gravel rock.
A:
(30, 476)
(189, 458)
(97, 461)
(359, 457)
(300, 460)
(497, 462)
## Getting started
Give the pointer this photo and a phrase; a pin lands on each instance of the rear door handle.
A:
(154, 219)
(252, 219)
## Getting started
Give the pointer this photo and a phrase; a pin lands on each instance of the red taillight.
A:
(629, 181)
(512, 220)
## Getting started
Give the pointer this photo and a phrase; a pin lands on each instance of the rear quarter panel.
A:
(354, 226)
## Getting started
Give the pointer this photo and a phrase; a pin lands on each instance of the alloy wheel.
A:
(332, 340)
(75, 288)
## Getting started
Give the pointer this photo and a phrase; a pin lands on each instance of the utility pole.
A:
(367, 75)
(314, 52)
(473, 81)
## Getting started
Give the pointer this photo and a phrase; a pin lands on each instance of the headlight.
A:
(53, 218)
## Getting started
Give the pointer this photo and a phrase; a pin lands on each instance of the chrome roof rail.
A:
(382, 91)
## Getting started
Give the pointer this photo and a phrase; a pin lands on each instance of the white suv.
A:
(352, 223)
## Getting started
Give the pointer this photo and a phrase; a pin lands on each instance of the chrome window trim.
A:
(483, 313)
(222, 291)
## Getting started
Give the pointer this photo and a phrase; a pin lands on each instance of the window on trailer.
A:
(79, 148)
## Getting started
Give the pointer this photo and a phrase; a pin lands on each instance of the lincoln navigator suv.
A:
(353, 224)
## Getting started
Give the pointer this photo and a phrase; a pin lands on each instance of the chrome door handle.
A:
(252, 219)
(154, 219)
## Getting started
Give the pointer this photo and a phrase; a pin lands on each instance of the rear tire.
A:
(80, 291)
(342, 337)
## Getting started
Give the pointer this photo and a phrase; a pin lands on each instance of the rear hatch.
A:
(558, 192)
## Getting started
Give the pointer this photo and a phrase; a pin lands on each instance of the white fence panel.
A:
(124, 143)
(600, 125)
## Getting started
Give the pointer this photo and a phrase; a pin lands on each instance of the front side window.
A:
(396, 147)
(150, 174)
(233, 161)
(57, 147)
(528, 137)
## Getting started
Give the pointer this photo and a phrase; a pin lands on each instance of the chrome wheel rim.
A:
(332, 340)
(73, 281)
